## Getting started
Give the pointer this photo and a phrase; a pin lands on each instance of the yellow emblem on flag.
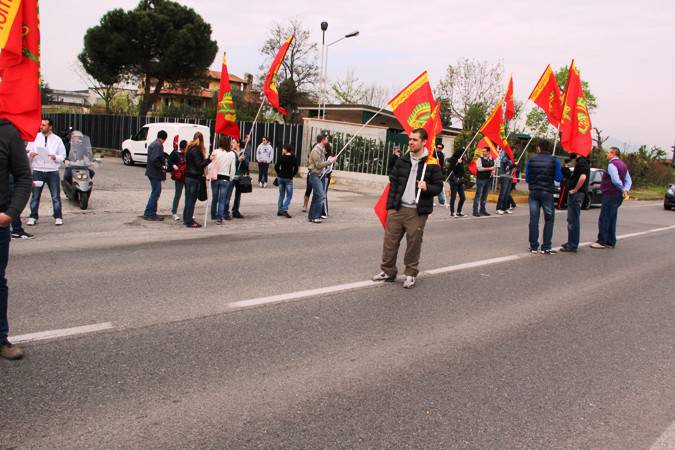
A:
(7, 17)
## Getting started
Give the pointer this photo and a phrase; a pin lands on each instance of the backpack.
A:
(179, 173)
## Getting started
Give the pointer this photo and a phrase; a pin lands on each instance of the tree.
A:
(466, 83)
(599, 140)
(299, 71)
(158, 42)
(350, 91)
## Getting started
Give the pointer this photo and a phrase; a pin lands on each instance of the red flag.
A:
(270, 86)
(478, 153)
(575, 125)
(381, 206)
(20, 97)
(413, 106)
(508, 99)
(434, 127)
(546, 95)
(493, 128)
(226, 115)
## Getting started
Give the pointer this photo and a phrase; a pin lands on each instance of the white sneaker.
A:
(409, 282)
(383, 277)
(500, 212)
(31, 221)
(509, 211)
(264, 185)
(176, 217)
(324, 216)
(58, 221)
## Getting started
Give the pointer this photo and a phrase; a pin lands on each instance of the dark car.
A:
(669, 199)
(593, 196)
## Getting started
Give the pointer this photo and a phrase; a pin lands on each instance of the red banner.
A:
(413, 106)
(270, 86)
(381, 206)
(494, 127)
(226, 115)
(20, 96)
(575, 125)
(546, 95)
(510, 111)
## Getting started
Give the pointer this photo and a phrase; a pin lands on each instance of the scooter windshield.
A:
(80, 154)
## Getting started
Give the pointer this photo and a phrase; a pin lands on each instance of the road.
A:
(265, 333)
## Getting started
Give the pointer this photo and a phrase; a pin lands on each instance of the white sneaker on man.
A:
(30, 222)
(58, 221)
(176, 217)
(500, 212)
(509, 211)
(409, 282)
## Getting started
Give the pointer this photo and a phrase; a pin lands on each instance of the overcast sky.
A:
(624, 49)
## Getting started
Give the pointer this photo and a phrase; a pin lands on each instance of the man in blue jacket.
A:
(541, 173)
(156, 173)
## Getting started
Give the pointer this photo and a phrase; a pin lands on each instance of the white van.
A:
(135, 149)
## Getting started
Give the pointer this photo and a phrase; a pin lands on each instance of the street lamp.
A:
(324, 27)
(324, 66)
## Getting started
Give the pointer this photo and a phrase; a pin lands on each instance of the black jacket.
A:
(286, 166)
(399, 178)
(541, 172)
(174, 159)
(13, 161)
(195, 163)
(156, 166)
(242, 166)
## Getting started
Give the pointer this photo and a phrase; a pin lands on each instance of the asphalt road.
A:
(567, 351)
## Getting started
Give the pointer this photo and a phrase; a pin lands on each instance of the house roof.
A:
(215, 75)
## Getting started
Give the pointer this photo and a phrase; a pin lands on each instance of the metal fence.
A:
(108, 131)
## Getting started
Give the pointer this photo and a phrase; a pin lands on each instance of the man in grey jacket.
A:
(264, 154)
(316, 163)
(156, 173)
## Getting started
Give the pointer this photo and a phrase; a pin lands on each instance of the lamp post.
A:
(324, 27)
(324, 68)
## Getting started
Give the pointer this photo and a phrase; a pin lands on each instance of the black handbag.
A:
(202, 195)
(276, 182)
(245, 184)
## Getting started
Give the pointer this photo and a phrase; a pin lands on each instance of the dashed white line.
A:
(53, 334)
(666, 441)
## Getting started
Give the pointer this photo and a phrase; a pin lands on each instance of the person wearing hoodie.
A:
(286, 169)
(264, 154)
(406, 216)
(46, 170)
(13, 163)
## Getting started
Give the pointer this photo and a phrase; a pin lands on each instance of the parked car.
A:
(669, 199)
(135, 149)
(593, 196)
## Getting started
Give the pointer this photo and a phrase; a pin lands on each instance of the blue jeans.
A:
(503, 201)
(541, 200)
(318, 195)
(155, 192)
(16, 223)
(456, 189)
(52, 179)
(574, 202)
(482, 187)
(219, 190)
(325, 181)
(5, 238)
(233, 187)
(191, 191)
(607, 222)
(285, 194)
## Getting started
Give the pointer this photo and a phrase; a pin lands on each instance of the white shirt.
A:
(224, 163)
(53, 146)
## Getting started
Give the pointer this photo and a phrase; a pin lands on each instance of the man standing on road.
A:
(316, 163)
(13, 162)
(578, 186)
(264, 154)
(541, 171)
(156, 173)
(406, 216)
(46, 153)
(615, 185)
(505, 176)
(485, 166)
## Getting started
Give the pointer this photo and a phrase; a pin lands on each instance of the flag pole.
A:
(524, 150)
(555, 144)
(464, 152)
(419, 192)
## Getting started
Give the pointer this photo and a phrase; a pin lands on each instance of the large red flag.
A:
(575, 125)
(20, 97)
(381, 206)
(546, 95)
(414, 105)
(226, 115)
(510, 111)
(494, 127)
(270, 86)
(434, 127)
(478, 152)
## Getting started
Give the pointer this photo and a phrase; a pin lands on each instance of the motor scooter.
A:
(78, 176)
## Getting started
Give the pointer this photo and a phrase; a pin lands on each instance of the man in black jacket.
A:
(412, 174)
(156, 173)
(14, 162)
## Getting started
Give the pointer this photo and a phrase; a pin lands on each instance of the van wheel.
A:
(126, 158)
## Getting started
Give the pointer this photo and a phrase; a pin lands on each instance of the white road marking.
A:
(292, 296)
(53, 334)
(666, 441)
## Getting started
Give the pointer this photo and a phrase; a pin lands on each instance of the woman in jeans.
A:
(286, 168)
(195, 163)
(457, 182)
(176, 165)
(242, 158)
(221, 173)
